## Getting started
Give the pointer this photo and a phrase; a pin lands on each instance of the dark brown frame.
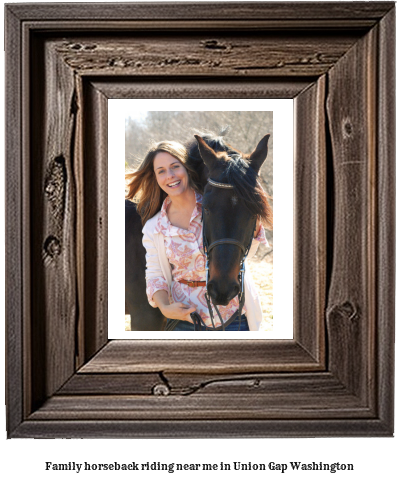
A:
(64, 378)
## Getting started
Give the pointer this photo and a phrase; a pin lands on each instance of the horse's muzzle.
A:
(221, 293)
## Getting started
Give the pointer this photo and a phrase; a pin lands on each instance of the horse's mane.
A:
(238, 172)
(248, 188)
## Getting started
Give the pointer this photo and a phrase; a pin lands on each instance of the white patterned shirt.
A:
(184, 250)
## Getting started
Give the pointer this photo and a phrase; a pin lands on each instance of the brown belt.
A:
(193, 283)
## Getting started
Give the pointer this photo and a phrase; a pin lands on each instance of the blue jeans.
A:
(187, 326)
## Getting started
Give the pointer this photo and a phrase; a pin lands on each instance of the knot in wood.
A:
(347, 310)
(55, 181)
(90, 47)
(347, 128)
(50, 189)
(213, 44)
(51, 249)
(52, 246)
(161, 390)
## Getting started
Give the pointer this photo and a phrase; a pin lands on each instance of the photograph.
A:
(182, 191)
(236, 194)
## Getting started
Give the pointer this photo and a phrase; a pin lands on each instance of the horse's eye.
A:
(206, 211)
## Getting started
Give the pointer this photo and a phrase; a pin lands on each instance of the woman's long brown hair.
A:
(142, 186)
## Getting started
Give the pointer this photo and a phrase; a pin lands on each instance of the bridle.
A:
(207, 250)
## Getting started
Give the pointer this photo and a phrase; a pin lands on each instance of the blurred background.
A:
(245, 131)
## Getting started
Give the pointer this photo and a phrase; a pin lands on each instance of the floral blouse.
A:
(184, 249)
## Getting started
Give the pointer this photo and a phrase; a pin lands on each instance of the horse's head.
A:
(230, 209)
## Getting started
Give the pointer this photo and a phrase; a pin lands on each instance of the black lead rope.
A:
(198, 322)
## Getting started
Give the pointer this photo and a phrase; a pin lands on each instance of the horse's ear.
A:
(207, 153)
(258, 156)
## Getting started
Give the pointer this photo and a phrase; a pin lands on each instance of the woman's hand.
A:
(174, 311)
(177, 311)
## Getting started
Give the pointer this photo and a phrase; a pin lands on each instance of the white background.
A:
(23, 461)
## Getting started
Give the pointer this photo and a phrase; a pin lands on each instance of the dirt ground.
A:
(261, 267)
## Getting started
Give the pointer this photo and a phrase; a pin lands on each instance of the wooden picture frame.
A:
(335, 378)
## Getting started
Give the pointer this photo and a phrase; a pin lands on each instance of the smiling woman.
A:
(147, 190)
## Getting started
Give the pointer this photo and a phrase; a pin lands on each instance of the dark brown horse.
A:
(233, 200)
(227, 213)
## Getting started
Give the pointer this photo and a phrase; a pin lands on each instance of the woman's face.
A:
(171, 174)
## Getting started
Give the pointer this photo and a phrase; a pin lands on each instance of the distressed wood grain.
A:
(192, 428)
(201, 356)
(385, 224)
(95, 228)
(351, 306)
(130, 384)
(170, 88)
(184, 384)
(359, 14)
(15, 210)
(310, 230)
(216, 55)
(53, 212)
(201, 407)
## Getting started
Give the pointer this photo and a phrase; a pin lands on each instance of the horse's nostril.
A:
(236, 290)
(222, 294)
(233, 293)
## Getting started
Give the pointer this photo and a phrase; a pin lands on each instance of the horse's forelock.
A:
(215, 141)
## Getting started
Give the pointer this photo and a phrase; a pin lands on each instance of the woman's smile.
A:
(174, 184)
